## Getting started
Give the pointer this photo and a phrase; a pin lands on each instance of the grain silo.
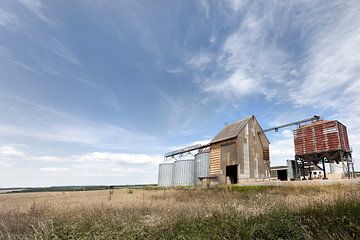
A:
(240, 152)
(165, 177)
(202, 166)
(184, 171)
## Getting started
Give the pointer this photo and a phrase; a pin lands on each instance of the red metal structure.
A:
(323, 141)
(319, 142)
(321, 136)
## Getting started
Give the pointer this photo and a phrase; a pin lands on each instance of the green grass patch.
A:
(339, 221)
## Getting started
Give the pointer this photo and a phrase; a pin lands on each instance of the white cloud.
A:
(205, 6)
(128, 170)
(199, 60)
(281, 150)
(250, 61)
(92, 157)
(202, 142)
(10, 151)
(120, 158)
(46, 158)
(9, 20)
(236, 5)
(238, 84)
(55, 169)
(87, 168)
(287, 133)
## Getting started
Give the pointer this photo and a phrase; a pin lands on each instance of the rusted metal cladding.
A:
(165, 174)
(321, 137)
(344, 140)
(202, 165)
(184, 173)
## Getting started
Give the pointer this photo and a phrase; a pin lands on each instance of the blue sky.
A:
(94, 92)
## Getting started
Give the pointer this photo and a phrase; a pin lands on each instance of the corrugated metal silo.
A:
(184, 171)
(165, 174)
(202, 165)
(292, 170)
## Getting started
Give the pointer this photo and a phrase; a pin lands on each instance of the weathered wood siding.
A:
(215, 153)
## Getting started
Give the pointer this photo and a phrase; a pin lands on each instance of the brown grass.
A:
(40, 215)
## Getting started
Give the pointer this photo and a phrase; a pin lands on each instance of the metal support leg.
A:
(324, 170)
(348, 167)
(353, 170)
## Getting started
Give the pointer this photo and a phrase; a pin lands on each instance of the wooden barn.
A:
(240, 153)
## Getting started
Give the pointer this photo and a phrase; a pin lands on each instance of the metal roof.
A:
(231, 130)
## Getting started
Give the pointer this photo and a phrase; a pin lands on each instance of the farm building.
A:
(238, 153)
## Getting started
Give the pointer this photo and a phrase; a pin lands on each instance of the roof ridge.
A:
(231, 130)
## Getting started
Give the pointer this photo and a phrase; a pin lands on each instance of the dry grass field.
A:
(305, 211)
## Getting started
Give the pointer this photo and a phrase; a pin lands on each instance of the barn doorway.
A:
(232, 174)
(282, 174)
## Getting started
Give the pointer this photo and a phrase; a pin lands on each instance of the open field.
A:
(304, 211)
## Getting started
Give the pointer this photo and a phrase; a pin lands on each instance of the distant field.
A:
(304, 211)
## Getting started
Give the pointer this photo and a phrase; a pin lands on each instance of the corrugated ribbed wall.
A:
(165, 174)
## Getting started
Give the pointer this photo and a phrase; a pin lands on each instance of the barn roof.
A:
(231, 130)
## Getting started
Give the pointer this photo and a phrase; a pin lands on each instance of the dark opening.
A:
(282, 174)
(231, 172)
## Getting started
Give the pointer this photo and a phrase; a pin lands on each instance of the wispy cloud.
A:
(178, 112)
(199, 60)
(236, 4)
(332, 67)
(250, 62)
(67, 127)
(64, 52)
(9, 57)
(36, 7)
(9, 20)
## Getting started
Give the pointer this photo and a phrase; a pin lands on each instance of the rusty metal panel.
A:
(344, 140)
(322, 136)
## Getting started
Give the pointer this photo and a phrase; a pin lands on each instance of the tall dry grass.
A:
(155, 213)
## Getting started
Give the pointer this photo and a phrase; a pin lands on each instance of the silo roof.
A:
(231, 130)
